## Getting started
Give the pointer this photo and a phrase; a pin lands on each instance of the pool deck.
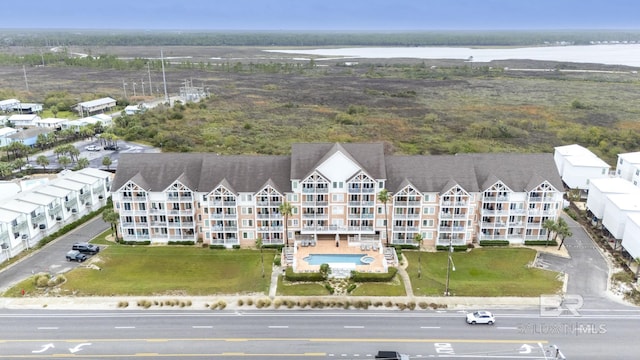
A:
(329, 247)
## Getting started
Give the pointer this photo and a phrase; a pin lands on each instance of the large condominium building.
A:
(334, 193)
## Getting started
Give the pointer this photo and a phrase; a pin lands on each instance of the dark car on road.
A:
(86, 248)
(75, 255)
(112, 147)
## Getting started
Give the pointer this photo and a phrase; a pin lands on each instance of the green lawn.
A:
(150, 270)
(288, 288)
(395, 288)
(481, 272)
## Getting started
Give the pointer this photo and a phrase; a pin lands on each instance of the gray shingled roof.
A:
(474, 172)
(244, 173)
(520, 172)
(203, 171)
(430, 173)
(306, 157)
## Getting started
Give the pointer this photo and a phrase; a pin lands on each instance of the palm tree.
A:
(112, 217)
(563, 231)
(259, 246)
(82, 163)
(106, 161)
(550, 225)
(286, 210)
(383, 197)
(418, 238)
(64, 161)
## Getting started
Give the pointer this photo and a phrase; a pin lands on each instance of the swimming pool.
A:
(357, 259)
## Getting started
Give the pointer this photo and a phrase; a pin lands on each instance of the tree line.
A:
(42, 38)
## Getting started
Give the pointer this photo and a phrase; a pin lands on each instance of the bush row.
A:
(67, 228)
(494, 242)
(374, 277)
(540, 242)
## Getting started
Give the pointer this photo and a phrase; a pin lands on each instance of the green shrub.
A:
(540, 242)
(571, 213)
(181, 242)
(455, 247)
(277, 260)
(374, 277)
(217, 247)
(290, 275)
(494, 242)
(131, 242)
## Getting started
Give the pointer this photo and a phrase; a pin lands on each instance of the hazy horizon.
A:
(324, 15)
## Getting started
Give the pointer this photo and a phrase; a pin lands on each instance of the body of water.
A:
(615, 54)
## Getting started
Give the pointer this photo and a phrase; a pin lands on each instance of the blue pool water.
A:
(319, 259)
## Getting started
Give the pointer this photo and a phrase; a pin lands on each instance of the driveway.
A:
(51, 258)
(587, 269)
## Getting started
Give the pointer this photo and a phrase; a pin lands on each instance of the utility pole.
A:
(134, 89)
(124, 87)
(449, 268)
(26, 83)
(164, 79)
(149, 73)
(142, 86)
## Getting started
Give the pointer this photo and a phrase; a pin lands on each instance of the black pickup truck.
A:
(391, 355)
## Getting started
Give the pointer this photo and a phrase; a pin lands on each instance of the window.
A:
(637, 172)
(247, 235)
(294, 222)
(247, 223)
(427, 198)
(337, 198)
(428, 235)
(294, 184)
(427, 223)
(335, 184)
(429, 210)
(246, 210)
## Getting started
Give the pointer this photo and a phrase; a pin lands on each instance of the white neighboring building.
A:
(30, 215)
(577, 165)
(9, 104)
(631, 236)
(600, 188)
(628, 167)
(616, 209)
(5, 132)
(96, 106)
(24, 120)
(52, 123)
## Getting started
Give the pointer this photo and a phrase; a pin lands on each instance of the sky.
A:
(354, 15)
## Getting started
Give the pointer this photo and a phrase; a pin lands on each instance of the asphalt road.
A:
(51, 258)
(328, 334)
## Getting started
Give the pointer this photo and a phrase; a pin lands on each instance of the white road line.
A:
(202, 327)
(125, 327)
(279, 327)
(48, 328)
(354, 327)
(507, 327)
(429, 327)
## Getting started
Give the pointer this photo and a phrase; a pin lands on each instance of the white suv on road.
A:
(480, 317)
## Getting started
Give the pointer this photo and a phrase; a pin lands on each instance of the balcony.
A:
(225, 203)
(451, 229)
(455, 203)
(360, 190)
(452, 216)
(316, 190)
(180, 224)
(185, 197)
(181, 212)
